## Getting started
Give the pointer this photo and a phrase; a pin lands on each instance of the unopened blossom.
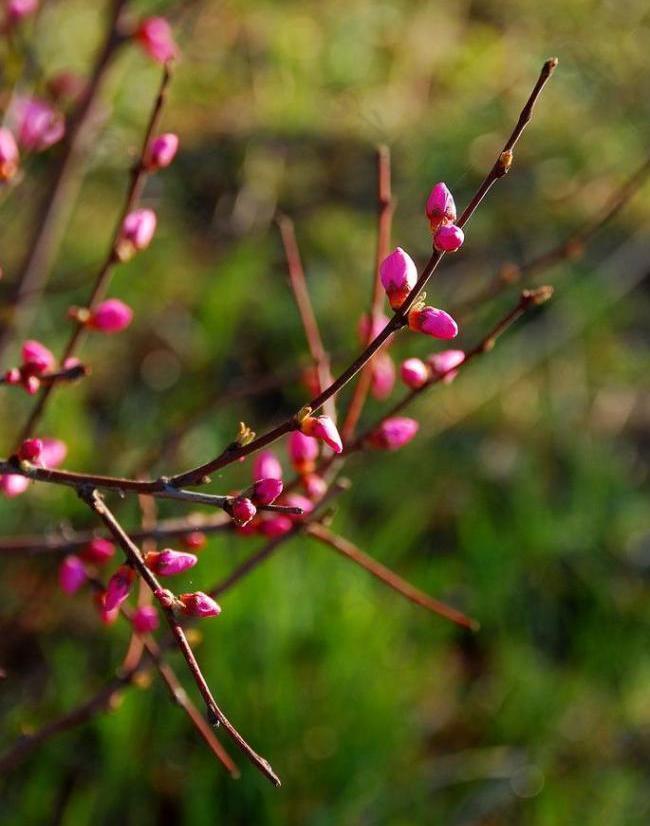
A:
(433, 322)
(315, 486)
(369, 328)
(276, 525)
(383, 376)
(448, 238)
(398, 275)
(394, 433)
(137, 231)
(13, 376)
(199, 604)
(30, 450)
(9, 155)
(443, 364)
(440, 208)
(266, 491)
(194, 540)
(242, 510)
(169, 562)
(107, 617)
(303, 452)
(17, 10)
(53, 452)
(37, 357)
(110, 316)
(414, 373)
(145, 619)
(12, 484)
(155, 36)
(72, 574)
(323, 428)
(39, 125)
(118, 587)
(98, 551)
(161, 151)
(266, 466)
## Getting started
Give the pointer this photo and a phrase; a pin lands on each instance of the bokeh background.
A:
(523, 500)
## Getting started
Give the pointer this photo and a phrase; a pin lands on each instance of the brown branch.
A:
(73, 373)
(388, 577)
(236, 451)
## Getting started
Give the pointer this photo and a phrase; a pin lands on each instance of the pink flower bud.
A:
(276, 525)
(107, 617)
(194, 541)
(30, 450)
(111, 316)
(145, 619)
(267, 466)
(155, 36)
(199, 604)
(11, 484)
(440, 208)
(118, 588)
(323, 428)
(137, 231)
(433, 322)
(169, 562)
(315, 486)
(383, 376)
(17, 10)
(53, 452)
(369, 330)
(39, 125)
(303, 451)
(37, 357)
(162, 151)
(13, 376)
(242, 510)
(98, 550)
(9, 157)
(31, 384)
(448, 238)
(72, 574)
(394, 433)
(443, 363)
(398, 275)
(266, 491)
(414, 373)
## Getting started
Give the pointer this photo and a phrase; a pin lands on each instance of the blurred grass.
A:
(524, 500)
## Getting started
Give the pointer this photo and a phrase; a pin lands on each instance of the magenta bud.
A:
(39, 124)
(414, 373)
(118, 588)
(315, 486)
(111, 316)
(448, 238)
(145, 619)
(199, 604)
(440, 208)
(267, 466)
(30, 450)
(433, 322)
(276, 525)
(98, 550)
(162, 151)
(443, 364)
(242, 510)
(9, 156)
(13, 376)
(137, 231)
(323, 428)
(266, 491)
(17, 10)
(155, 36)
(383, 376)
(31, 385)
(169, 562)
(72, 574)
(398, 275)
(37, 357)
(394, 433)
(11, 485)
(303, 451)
(53, 452)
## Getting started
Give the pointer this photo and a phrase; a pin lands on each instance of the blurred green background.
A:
(523, 499)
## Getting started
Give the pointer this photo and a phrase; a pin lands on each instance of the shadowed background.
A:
(523, 499)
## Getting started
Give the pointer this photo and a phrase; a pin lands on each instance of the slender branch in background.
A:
(134, 558)
(384, 226)
(139, 175)
(296, 272)
(59, 200)
(388, 577)
(73, 373)
(502, 165)
(572, 246)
